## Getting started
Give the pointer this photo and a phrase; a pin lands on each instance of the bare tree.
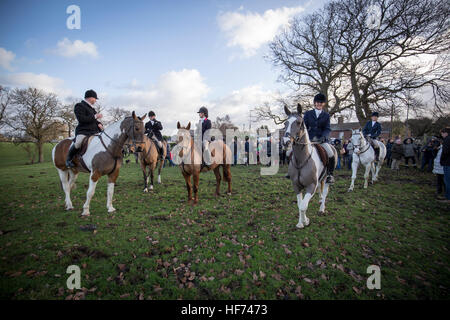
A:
(67, 115)
(5, 102)
(35, 115)
(380, 60)
(224, 123)
(117, 113)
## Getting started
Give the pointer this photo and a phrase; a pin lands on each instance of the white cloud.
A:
(6, 57)
(69, 49)
(250, 31)
(40, 81)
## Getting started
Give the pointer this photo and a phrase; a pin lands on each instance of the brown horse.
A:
(150, 158)
(194, 167)
(103, 156)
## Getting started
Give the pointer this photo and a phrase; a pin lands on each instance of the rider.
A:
(88, 123)
(317, 122)
(204, 125)
(153, 130)
(372, 131)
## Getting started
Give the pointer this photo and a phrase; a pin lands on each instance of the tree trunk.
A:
(40, 146)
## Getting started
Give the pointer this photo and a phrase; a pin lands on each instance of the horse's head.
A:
(134, 128)
(357, 137)
(184, 135)
(294, 126)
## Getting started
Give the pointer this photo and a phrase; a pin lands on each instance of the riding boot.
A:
(377, 154)
(330, 170)
(72, 152)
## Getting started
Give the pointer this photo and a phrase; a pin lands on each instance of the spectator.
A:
(235, 151)
(427, 156)
(438, 170)
(389, 145)
(344, 154)
(350, 149)
(418, 143)
(396, 154)
(338, 146)
(168, 157)
(445, 161)
(247, 151)
(409, 152)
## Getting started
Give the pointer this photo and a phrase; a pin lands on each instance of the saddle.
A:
(79, 156)
(322, 154)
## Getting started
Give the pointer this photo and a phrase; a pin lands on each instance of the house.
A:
(343, 130)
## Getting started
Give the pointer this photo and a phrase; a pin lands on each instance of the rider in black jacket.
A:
(87, 123)
(153, 130)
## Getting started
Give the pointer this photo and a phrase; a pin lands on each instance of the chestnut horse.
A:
(149, 157)
(103, 156)
(193, 168)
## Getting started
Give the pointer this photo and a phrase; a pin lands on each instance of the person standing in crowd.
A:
(389, 145)
(344, 154)
(438, 170)
(445, 161)
(397, 154)
(418, 144)
(338, 146)
(169, 157)
(350, 149)
(247, 151)
(427, 156)
(235, 151)
(409, 152)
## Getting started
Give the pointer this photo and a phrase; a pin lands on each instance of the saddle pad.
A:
(322, 154)
(84, 145)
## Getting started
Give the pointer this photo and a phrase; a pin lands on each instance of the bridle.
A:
(133, 139)
(359, 145)
(297, 140)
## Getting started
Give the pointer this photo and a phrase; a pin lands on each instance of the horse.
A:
(365, 154)
(306, 168)
(103, 156)
(194, 169)
(149, 157)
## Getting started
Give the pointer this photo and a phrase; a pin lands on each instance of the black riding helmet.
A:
(320, 98)
(151, 114)
(203, 110)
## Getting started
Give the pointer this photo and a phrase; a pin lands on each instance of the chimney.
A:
(340, 120)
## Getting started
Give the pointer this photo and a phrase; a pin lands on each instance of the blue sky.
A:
(170, 56)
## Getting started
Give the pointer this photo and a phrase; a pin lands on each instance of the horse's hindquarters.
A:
(60, 152)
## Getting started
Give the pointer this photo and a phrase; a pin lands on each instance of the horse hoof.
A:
(229, 193)
(69, 209)
(300, 225)
(306, 222)
(111, 210)
(85, 214)
(145, 190)
(350, 190)
(151, 188)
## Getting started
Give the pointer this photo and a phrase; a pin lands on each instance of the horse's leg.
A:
(161, 162)
(300, 216)
(372, 171)
(196, 182)
(187, 178)
(227, 176)
(144, 172)
(303, 207)
(323, 195)
(218, 178)
(354, 172)
(64, 177)
(322, 183)
(152, 168)
(72, 179)
(93, 179)
(111, 182)
(366, 175)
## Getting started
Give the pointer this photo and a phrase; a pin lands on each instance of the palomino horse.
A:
(149, 157)
(102, 157)
(193, 168)
(306, 168)
(365, 154)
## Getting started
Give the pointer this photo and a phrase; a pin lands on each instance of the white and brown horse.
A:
(150, 157)
(221, 157)
(103, 156)
(306, 169)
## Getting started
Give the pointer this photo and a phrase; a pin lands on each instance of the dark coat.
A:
(155, 129)
(374, 131)
(445, 156)
(206, 125)
(397, 151)
(317, 127)
(87, 124)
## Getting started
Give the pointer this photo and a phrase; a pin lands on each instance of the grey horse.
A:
(306, 169)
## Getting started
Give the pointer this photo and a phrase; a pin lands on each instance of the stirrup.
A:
(70, 164)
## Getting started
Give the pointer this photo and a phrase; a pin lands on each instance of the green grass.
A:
(242, 246)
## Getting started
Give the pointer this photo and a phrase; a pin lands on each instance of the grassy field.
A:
(243, 246)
